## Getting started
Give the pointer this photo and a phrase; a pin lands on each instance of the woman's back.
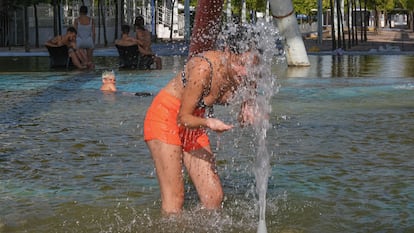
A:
(84, 27)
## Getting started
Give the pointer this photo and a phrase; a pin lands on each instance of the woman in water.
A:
(176, 123)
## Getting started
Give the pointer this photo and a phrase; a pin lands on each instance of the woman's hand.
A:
(72, 45)
(247, 114)
(217, 125)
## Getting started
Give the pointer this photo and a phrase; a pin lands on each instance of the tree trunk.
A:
(116, 19)
(122, 16)
(412, 20)
(104, 25)
(26, 30)
(59, 18)
(36, 26)
(340, 22)
(99, 21)
(354, 22)
(333, 33)
(361, 19)
(352, 27)
(172, 20)
(366, 21)
(55, 18)
(348, 23)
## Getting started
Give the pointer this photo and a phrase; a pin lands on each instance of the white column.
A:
(286, 21)
(267, 11)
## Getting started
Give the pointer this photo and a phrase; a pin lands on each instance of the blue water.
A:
(72, 159)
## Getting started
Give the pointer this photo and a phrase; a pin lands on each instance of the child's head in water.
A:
(108, 81)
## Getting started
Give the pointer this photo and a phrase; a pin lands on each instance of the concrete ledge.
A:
(161, 49)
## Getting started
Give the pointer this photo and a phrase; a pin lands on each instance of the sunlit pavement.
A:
(384, 41)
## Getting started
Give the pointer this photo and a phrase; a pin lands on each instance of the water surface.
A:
(72, 159)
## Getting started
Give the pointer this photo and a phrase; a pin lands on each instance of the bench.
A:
(59, 57)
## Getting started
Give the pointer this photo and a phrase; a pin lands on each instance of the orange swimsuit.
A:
(161, 124)
(161, 120)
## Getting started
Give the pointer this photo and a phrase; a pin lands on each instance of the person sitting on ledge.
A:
(69, 39)
(126, 40)
(144, 44)
(108, 81)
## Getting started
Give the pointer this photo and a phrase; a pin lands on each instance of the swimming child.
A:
(108, 81)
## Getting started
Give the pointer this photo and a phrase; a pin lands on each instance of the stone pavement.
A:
(385, 41)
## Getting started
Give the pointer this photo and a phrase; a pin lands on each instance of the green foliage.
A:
(406, 4)
(305, 6)
(256, 5)
(384, 4)
(410, 4)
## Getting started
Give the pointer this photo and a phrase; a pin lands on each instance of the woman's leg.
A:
(75, 60)
(168, 165)
(81, 53)
(201, 167)
(158, 62)
(89, 52)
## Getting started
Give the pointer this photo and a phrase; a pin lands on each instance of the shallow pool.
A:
(72, 159)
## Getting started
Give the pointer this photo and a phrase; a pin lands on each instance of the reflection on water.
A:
(73, 160)
(356, 66)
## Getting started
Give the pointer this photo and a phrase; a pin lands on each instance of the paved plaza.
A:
(384, 41)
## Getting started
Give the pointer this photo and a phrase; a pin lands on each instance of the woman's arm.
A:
(249, 110)
(55, 42)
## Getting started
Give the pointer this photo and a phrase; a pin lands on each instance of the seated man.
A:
(126, 40)
(144, 44)
(108, 81)
(129, 55)
(69, 40)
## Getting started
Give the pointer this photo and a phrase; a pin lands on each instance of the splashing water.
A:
(266, 38)
(265, 87)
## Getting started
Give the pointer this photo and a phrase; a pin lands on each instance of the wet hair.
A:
(241, 39)
(238, 38)
(83, 10)
(139, 22)
(107, 73)
(71, 29)
(125, 29)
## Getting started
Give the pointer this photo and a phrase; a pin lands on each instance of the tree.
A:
(380, 6)
(409, 5)
(172, 19)
(102, 21)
